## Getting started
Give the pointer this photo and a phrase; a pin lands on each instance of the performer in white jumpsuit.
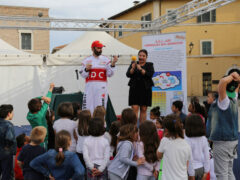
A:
(96, 69)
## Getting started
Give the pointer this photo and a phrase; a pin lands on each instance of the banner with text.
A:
(168, 53)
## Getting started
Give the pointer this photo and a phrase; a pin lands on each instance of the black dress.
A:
(140, 92)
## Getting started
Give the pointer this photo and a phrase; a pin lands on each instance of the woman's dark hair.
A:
(76, 107)
(156, 111)
(128, 117)
(49, 117)
(194, 126)
(34, 105)
(5, 109)
(197, 106)
(96, 127)
(65, 109)
(144, 51)
(21, 140)
(127, 132)
(83, 122)
(62, 140)
(113, 131)
(174, 126)
(149, 137)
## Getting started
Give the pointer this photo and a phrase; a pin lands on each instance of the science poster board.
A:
(168, 53)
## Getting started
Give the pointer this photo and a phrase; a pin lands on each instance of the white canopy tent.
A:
(19, 79)
(74, 52)
(11, 56)
(72, 55)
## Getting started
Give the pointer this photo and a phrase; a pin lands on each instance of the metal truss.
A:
(23, 22)
(186, 12)
(181, 14)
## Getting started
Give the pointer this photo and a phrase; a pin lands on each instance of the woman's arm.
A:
(131, 70)
(149, 70)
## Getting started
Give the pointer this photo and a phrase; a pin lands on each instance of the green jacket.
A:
(39, 119)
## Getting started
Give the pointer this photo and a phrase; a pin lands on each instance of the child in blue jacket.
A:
(59, 163)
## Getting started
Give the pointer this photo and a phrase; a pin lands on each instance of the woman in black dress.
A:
(140, 92)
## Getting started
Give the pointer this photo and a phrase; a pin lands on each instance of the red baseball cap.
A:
(97, 44)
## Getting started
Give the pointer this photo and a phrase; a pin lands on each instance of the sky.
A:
(82, 9)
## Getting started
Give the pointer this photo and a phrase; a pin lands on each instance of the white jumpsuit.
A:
(96, 81)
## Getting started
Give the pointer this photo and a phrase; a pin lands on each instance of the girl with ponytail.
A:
(59, 163)
(175, 151)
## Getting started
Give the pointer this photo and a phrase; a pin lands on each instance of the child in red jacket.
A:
(22, 140)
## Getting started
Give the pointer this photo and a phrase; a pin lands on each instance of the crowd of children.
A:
(79, 147)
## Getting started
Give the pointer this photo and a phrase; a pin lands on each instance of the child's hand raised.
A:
(141, 161)
(51, 87)
(46, 99)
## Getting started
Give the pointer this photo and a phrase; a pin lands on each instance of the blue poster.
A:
(167, 81)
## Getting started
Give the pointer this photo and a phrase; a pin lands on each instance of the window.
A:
(120, 33)
(207, 83)
(26, 41)
(207, 17)
(171, 15)
(147, 17)
(206, 47)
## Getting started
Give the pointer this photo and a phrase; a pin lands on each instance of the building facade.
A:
(32, 41)
(212, 40)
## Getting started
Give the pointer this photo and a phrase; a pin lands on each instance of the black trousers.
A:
(6, 167)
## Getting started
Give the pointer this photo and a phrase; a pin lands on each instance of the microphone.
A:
(134, 59)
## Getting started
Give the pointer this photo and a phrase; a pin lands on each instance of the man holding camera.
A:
(222, 125)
